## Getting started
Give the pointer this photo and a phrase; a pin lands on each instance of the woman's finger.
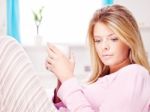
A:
(51, 53)
(49, 66)
(53, 48)
(50, 60)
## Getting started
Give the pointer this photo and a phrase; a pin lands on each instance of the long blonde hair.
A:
(120, 20)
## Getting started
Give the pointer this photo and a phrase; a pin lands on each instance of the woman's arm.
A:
(129, 92)
(63, 68)
(72, 95)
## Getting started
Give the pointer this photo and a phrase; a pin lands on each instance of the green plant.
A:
(38, 18)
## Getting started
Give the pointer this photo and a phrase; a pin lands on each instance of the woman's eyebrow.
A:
(96, 36)
(109, 35)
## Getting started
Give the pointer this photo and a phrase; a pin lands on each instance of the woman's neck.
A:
(118, 66)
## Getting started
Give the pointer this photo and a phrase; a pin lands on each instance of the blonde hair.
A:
(122, 23)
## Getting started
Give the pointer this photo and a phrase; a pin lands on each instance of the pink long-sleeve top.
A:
(127, 90)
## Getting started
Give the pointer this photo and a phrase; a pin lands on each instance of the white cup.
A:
(63, 48)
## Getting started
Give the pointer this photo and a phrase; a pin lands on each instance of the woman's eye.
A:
(97, 41)
(114, 39)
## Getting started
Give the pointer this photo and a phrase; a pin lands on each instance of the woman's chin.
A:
(108, 63)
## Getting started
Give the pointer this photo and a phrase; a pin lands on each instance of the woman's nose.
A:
(105, 45)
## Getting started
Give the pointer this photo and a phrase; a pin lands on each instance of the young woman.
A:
(120, 81)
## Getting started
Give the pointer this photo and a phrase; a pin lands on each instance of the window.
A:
(64, 21)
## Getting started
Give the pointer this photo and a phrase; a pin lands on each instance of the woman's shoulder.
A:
(136, 79)
(127, 73)
(135, 66)
(134, 71)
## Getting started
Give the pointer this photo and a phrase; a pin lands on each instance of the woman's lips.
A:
(106, 56)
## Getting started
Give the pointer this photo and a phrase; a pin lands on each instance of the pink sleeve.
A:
(58, 105)
(61, 107)
(73, 97)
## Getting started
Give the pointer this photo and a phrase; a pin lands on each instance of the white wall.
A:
(2, 17)
(139, 8)
(64, 21)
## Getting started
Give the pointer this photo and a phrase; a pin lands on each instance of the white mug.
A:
(63, 48)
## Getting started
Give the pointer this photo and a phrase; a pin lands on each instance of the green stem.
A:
(37, 29)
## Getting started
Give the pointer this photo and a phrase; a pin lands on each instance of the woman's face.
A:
(110, 49)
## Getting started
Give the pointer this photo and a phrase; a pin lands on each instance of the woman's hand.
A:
(59, 64)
